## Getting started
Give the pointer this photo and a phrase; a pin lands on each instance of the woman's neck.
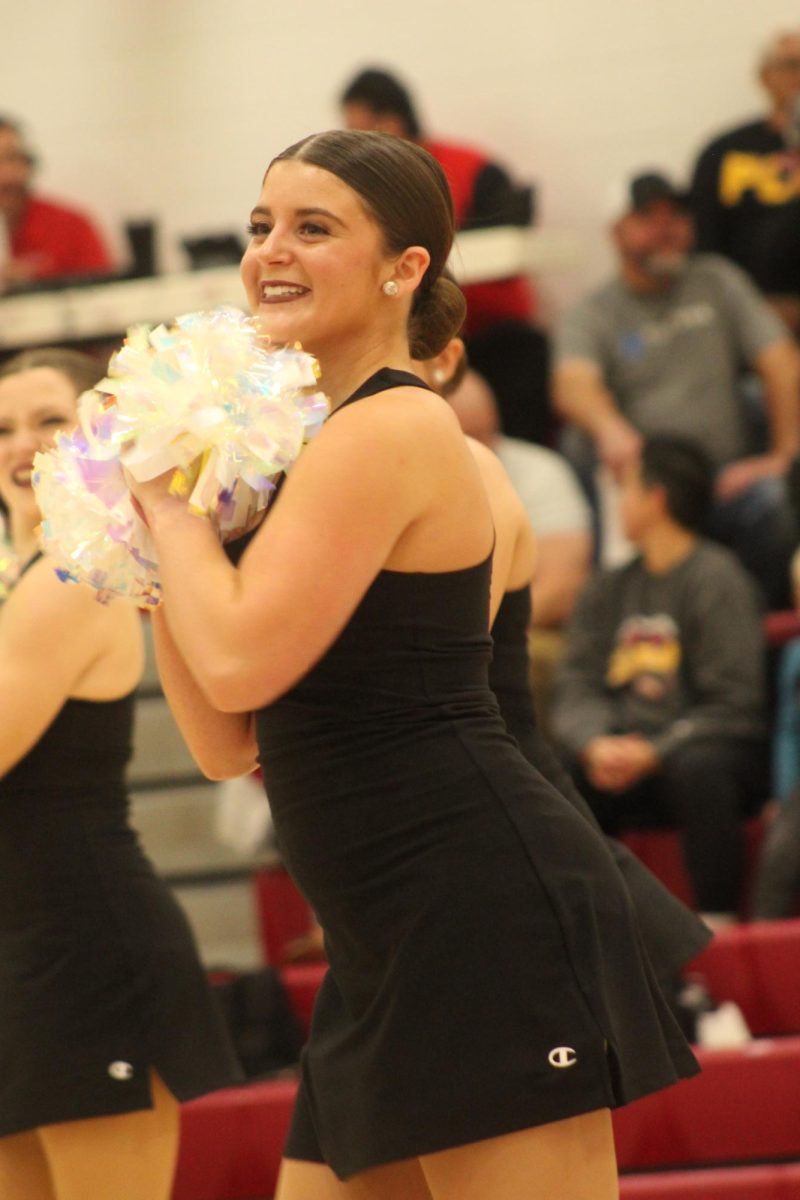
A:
(24, 541)
(344, 368)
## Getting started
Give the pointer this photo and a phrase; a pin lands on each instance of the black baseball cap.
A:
(639, 192)
(650, 188)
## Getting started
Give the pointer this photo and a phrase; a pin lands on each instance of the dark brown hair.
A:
(383, 93)
(80, 369)
(407, 194)
(684, 470)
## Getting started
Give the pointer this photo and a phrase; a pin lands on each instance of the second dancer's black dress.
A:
(486, 969)
(672, 933)
(100, 978)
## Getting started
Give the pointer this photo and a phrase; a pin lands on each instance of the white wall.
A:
(172, 109)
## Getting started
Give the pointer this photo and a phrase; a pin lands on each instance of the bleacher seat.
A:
(781, 627)
(283, 913)
(758, 967)
(743, 1107)
(302, 981)
(773, 1181)
(232, 1141)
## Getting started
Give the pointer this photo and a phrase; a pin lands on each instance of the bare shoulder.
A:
(496, 480)
(402, 441)
(515, 543)
(40, 594)
(44, 602)
(489, 465)
(402, 414)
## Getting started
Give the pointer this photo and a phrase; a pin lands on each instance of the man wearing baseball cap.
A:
(659, 349)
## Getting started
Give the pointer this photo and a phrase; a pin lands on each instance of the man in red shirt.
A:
(42, 240)
(502, 342)
(482, 191)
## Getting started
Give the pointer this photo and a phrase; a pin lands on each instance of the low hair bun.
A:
(436, 317)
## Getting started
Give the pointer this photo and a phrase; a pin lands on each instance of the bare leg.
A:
(24, 1174)
(314, 1181)
(572, 1159)
(129, 1157)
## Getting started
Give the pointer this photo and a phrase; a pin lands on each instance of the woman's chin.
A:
(282, 328)
(21, 506)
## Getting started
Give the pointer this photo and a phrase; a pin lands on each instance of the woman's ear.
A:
(410, 266)
(450, 360)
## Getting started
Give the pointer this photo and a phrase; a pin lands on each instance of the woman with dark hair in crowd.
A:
(106, 1020)
(488, 998)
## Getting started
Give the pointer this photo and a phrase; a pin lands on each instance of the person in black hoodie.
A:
(746, 186)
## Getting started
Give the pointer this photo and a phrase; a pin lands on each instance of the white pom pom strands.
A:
(89, 525)
(200, 398)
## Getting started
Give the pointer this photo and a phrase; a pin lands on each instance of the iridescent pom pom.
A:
(90, 527)
(201, 398)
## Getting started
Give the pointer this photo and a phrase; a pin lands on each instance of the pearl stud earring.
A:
(390, 288)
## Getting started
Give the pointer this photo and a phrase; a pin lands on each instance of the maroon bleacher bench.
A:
(743, 1107)
(758, 967)
(773, 1181)
(232, 1142)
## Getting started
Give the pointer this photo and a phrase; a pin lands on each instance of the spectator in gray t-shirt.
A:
(660, 349)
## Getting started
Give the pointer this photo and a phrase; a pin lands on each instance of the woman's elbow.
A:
(219, 770)
(238, 689)
(219, 763)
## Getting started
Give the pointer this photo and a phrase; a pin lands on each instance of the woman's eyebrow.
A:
(261, 211)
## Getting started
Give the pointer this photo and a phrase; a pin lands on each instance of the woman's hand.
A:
(152, 495)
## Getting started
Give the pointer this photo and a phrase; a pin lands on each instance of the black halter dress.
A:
(486, 969)
(99, 975)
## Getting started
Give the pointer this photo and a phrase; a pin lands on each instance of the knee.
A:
(696, 761)
(703, 776)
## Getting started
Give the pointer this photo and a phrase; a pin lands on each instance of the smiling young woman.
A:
(488, 998)
(107, 1020)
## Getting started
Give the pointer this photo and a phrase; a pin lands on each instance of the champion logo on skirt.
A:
(120, 1070)
(562, 1056)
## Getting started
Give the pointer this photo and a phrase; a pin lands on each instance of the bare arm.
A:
(562, 568)
(778, 366)
(223, 744)
(515, 548)
(582, 398)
